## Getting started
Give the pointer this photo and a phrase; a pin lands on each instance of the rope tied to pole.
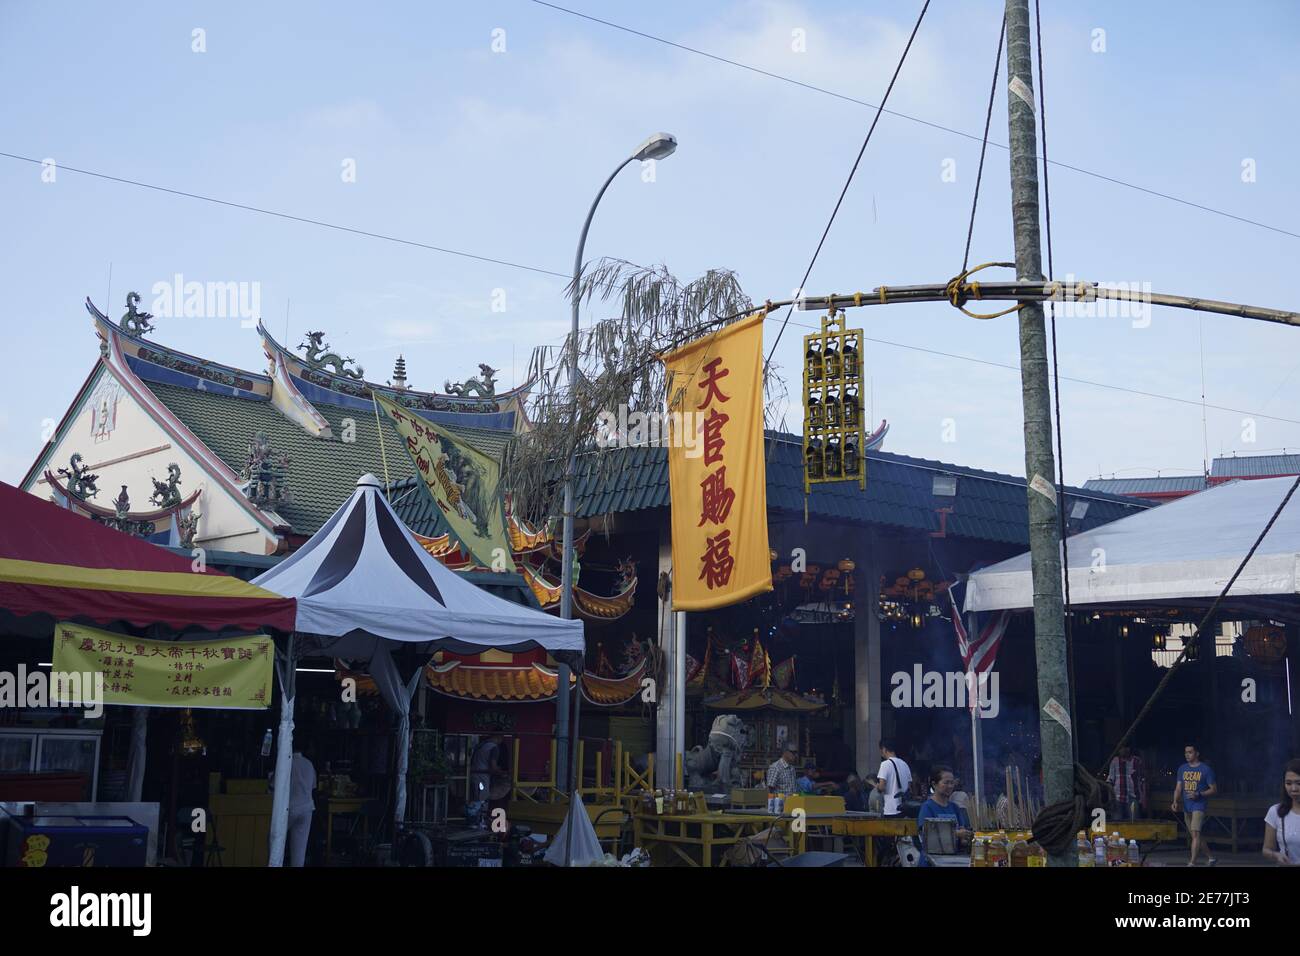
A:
(1056, 825)
(959, 291)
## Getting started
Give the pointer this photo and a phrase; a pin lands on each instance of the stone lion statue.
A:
(716, 766)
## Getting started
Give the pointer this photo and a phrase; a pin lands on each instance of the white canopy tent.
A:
(1181, 553)
(367, 591)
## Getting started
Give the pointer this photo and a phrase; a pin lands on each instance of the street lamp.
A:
(656, 146)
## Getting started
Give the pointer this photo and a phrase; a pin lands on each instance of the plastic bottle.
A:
(1084, 849)
(979, 852)
(1099, 850)
(1115, 850)
(1037, 855)
(1019, 850)
(659, 802)
(1134, 854)
(266, 743)
(997, 850)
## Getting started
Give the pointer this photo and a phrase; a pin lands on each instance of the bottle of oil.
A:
(1099, 850)
(1084, 850)
(979, 851)
(1019, 850)
(1115, 850)
(1037, 855)
(1134, 854)
(997, 850)
(659, 802)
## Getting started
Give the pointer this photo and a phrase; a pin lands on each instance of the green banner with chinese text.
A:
(233, 673)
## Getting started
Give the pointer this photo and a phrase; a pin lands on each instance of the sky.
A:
(487, 128)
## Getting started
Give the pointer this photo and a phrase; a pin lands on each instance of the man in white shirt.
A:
(894, 779)
(302, 804)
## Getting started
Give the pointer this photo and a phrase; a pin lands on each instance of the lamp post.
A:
(657, 146)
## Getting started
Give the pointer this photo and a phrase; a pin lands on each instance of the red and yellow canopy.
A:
(61, 564)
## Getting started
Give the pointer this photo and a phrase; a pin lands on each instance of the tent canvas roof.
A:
(62, 566)
(1183, 552)
(363, 580)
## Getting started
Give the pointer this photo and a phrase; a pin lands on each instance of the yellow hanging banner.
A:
(233, 674)
(716, 471)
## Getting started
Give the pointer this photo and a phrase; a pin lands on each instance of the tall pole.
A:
(1054, 717)
(566, 579)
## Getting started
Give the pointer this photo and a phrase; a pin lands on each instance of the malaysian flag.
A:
(979, 650)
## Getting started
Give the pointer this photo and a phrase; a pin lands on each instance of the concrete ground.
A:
(1174, 854)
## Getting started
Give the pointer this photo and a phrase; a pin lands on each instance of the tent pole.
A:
(286, 671)
(135, 765)
(575, 774)
(976, 735)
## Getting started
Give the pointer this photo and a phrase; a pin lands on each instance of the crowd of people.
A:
(890, 792)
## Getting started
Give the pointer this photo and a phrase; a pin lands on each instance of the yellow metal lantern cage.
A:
(834, 436)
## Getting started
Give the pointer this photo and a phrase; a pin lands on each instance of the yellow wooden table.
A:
(867, 826)
(1228, 814)
(348, 806)
(704, 832)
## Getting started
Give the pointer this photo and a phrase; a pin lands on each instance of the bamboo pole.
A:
(1077, 292)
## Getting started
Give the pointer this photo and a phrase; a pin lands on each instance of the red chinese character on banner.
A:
(716, 498)
(710, 383)
(713, 441)
(718, 561)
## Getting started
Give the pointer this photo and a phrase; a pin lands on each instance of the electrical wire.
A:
(292, 218)
(843, 192)
(912, 119)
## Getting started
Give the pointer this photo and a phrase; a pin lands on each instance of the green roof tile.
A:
(322, 472)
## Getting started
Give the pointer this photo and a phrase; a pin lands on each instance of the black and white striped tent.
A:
(363, 580)
(367, 591)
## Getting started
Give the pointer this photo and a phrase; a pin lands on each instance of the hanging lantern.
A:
(846, 565)
(834, 440)
(1264, 642)
(191, 742)
(916, 574)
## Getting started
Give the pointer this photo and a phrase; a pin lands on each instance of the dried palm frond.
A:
(618, 368)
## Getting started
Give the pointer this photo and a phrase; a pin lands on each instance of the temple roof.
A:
(322, 471)
(901, 491)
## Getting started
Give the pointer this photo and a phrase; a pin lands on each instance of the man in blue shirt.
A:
(1194, 784)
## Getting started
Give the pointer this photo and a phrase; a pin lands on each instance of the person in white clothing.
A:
(302, 804)
(1282, 822)
(894, 779)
